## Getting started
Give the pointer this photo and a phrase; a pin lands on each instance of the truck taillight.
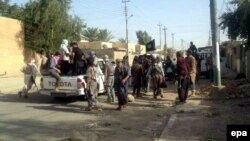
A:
(79, 83)
(41, 82)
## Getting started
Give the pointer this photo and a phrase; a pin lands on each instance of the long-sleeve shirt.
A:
(182, 66)
(158, 65)
(193, 64)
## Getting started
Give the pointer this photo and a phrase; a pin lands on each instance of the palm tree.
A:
(143, 37)
(91, 34)
(104, 35)
(122, 40)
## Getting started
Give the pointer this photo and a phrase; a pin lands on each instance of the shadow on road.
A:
(37, 98)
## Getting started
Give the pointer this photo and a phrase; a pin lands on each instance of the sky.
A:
(189, 20)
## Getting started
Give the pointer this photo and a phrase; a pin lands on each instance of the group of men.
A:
(146, 71)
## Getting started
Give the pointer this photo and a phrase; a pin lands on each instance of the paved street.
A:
(42, 117)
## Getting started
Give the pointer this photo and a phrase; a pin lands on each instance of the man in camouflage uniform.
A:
(30, 71)
(92, 86)
(109, 79)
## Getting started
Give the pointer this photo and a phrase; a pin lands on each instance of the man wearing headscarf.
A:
(92, 86)
(182, 77)
(29, 70)
(192, 70)
(64, 51)
(136, 73)
(121, 84)
(157, 76)
(78, 64)
(109, 70)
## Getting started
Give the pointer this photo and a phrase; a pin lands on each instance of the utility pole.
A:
(126, 19)
(215, 43)
(173, 40)
(165, 38)
(160, 34)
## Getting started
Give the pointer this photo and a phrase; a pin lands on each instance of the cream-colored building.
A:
(95, 45)
(11, 47)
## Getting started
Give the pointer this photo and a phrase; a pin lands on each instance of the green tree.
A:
(122, 40)
(91, 34)
(4, 6)
(47, 23)
(76, 27)
(104, 35)
(12, 11)
(95, 34)
(237, 20)
(143, 37)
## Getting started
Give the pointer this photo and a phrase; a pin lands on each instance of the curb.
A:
(169, 124)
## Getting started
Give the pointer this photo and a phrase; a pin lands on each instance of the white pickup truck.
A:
(70, 85)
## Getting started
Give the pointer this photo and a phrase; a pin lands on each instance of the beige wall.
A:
(11, 47)
(140, 49)
(95, 45)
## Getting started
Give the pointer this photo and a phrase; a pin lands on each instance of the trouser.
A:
(56, 75)
(110, 89)
(193, 81)
(78, 67)
(183, 84)
(28, 82)
(92, 95)
(170, 76)
(157, 80)
(122, 95)
(65, 67)
(137, 90)
(148, 84)
(144, 83)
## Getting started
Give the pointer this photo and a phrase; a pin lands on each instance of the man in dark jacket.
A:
(169, 68)
(182, 77)
(77, 55)
(136, 73)
(121, 83)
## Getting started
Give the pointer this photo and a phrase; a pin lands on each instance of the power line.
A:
(160, 33)
(172, 40)
(126, 20)
(165, 38)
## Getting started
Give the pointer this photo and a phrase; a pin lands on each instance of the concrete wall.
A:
(140, 49)
(11, 47)
(113, 54)
(95, 45)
